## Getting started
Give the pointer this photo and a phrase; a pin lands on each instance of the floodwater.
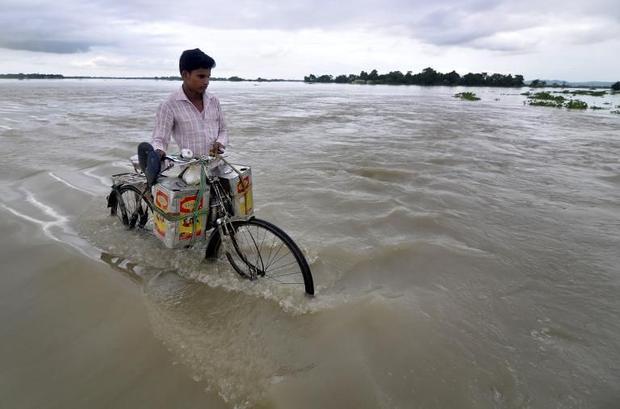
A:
(465, 254)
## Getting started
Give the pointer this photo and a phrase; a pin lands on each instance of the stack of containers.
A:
(175, 198)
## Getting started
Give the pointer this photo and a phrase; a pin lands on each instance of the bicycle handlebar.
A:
(180, 159)
(211, 161)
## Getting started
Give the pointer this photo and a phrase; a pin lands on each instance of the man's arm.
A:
(222, 135)
(164, 122)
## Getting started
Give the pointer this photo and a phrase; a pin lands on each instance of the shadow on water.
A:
(129, 269)
(237, 344)
(253, 353)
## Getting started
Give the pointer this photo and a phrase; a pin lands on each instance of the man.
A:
(190, 116)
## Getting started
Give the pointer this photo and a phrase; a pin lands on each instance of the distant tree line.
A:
(239, 79)
(22, 76)
(543, 84)
(428, 76)
(537, 83)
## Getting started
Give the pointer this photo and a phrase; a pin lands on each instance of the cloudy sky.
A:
(551, 39)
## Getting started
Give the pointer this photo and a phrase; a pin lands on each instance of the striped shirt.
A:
(178, 118)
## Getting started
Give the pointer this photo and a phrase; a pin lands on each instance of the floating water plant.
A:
(576, 104)
(547, 96)
(583, 92)
(545, 103)
(468, 96)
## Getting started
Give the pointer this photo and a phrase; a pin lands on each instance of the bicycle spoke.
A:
(275, 261)
(278, 252)
(258, 257)
(258, 253)
(280, 268)
(282, 282)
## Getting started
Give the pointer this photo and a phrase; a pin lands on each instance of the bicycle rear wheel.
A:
(131, 207)
(259, 249)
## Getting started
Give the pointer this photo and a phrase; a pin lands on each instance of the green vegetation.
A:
(583, 92)
(467, 96)
(576, 104)
(591, 93)
(546, 99)
(22, 76)
(428, 76)
(538, 84)
(596, 108)
(546, 96)
(544, 103)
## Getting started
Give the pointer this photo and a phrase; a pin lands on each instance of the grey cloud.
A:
(507, 27)
(74, 26)
(61, 28)
(47, 46)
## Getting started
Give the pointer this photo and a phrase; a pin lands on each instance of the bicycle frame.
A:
(247, 242)
(220, 214)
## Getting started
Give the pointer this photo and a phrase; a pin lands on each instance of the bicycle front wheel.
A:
(257, 249)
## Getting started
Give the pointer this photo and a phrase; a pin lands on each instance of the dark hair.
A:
(194, 59)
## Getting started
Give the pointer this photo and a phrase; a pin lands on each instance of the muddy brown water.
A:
(465, 254)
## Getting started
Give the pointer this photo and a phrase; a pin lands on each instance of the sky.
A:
(548, 39)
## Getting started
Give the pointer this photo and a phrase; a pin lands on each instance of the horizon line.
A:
(232, 78)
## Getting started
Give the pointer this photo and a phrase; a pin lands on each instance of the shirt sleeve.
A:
(222, 135)
(164, 121)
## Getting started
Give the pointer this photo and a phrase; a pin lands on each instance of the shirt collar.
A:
(180, 95)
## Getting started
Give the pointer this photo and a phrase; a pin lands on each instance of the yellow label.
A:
(249, 202)
(186, 226)
(160, 224)
(244, 195)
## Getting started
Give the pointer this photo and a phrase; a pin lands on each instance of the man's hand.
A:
(216, 148)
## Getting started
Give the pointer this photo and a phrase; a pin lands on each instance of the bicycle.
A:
(255, 248)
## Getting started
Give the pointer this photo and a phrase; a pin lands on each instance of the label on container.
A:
(187, 203)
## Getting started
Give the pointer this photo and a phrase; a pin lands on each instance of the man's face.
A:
(197, 80)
